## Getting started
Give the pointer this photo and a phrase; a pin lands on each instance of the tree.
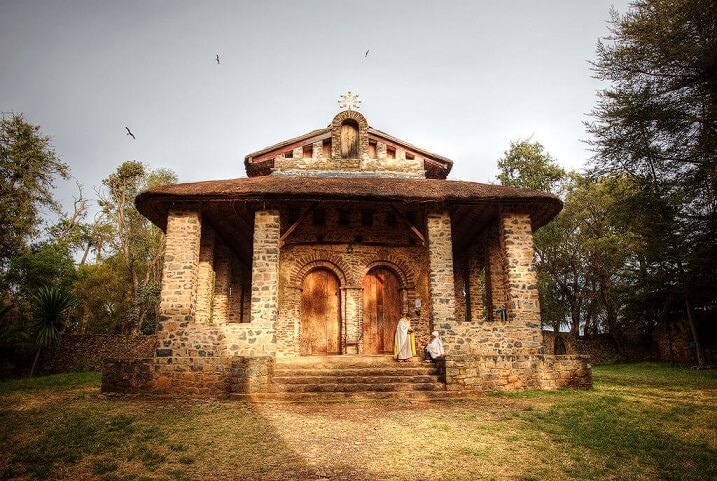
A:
(135, 239)
(527, 164)
(51, 307)
(45, 264)
(657, 124)
(103, 289)
(28, 168)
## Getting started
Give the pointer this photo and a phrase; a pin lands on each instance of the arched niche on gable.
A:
(349, 136)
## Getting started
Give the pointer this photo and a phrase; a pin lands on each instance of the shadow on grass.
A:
(624, 433)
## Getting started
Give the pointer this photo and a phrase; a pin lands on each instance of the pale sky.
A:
(459, 78)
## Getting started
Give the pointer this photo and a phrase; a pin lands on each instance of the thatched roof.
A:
(154, 203)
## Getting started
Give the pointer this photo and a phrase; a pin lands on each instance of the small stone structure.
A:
(318, 252)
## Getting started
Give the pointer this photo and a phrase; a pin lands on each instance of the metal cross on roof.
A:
(349, 100)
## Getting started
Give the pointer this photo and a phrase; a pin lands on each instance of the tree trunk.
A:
(34, 363)
(695, 336)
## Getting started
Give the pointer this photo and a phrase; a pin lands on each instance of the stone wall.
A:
(465, 372)
(193, 376)
(372, 159)
(88, 352)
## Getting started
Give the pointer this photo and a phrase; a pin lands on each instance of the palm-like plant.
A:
(51, 306)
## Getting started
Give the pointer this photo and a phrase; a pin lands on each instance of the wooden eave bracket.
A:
(408, 223)
(296, 224)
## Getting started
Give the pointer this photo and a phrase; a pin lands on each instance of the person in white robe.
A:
(404, 346)
(434, 349)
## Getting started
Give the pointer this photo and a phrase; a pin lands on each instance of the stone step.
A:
(298, 397)
(370, 371)
(345, 362)
(358, 387)
(356, 379)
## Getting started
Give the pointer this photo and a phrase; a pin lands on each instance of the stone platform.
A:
(331, 378)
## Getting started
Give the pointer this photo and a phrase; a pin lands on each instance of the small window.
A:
(344, 217)
(409, 156)
(308, 151)
(367, 217)
(390, 153)
(391, 219)
(372, 150)
(319, 217)
(289, 154)
(326, 149)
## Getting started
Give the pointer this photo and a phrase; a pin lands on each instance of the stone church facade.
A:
(318, 252)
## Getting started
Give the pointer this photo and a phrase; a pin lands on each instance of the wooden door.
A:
(320, 314)
(349, 140)
(381, 310)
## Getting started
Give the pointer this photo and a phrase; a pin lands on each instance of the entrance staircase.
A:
(335, 378)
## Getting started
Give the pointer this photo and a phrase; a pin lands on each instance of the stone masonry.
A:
(240, 253)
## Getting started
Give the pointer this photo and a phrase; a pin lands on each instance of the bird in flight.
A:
(129, 132)
(366, 54)
(217, 59)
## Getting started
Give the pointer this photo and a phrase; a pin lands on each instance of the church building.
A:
(310, 261)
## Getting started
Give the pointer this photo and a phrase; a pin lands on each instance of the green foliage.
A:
(104, 291)
(28, 168)
(48, 263)
(51, 305)
(656, 123)
(138, 243)
(527, 164)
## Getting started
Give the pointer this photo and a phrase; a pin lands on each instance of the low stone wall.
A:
(87, 352)
(515, 373)
(194, 376)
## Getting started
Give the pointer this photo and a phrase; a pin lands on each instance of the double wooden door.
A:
(320, 314)
(381, 310)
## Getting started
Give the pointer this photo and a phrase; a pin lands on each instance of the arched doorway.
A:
(320, 314)
(381, 310)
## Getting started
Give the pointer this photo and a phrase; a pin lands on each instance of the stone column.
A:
(222, 271)
(235, 291)
(353, 318)
(265, 268)
(522, 282)
(179, 273)
(205, 276)
(496, 289)
(440, 274)
(474, 283)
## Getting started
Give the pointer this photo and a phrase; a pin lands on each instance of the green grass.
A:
(640, 422)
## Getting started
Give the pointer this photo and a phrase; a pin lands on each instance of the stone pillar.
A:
(265, 268)
(235, 291)
(222, 274)
(440, 274)
(522, 281)
(475, 286)
(205, 276)
(179, 273)
(496, 288)
(353, 318)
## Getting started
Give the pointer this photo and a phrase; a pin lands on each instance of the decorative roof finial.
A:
(349, 100)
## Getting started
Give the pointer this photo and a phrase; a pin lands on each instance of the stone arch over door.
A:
(304, 265)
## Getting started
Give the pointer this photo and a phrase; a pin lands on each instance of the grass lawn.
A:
(641, 422)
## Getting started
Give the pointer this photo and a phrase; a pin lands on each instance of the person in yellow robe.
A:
(404, 344)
